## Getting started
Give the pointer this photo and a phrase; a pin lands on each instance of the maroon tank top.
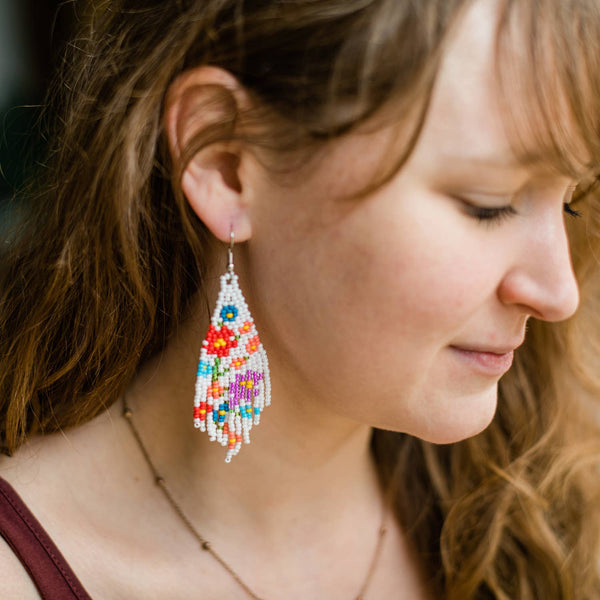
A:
(45, 564)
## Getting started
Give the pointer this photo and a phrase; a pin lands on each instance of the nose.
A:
(541, 277)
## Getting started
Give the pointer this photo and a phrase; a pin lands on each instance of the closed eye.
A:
(573, 213)
(491, 215)
(500, 213)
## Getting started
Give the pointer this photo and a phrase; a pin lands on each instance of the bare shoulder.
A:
(14, 579)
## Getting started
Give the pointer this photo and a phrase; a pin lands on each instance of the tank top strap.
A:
(46, 566)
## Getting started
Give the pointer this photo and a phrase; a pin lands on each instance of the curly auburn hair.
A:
(110, 256)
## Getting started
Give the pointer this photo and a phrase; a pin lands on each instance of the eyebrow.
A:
(492, 161)
(531, 162)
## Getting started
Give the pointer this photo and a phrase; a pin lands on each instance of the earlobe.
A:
(201, 110)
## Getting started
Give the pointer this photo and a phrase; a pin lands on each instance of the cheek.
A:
(357, 313)
(390, 285)
(414, 271)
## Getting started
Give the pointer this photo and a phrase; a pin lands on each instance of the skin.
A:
(359, 307)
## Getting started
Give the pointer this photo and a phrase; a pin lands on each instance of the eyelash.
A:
(491, 215)
(497, 215)
(570, 211)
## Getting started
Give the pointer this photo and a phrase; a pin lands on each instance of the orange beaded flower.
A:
(215, 390)
(253, 344)
(237, 362)
(246, 328)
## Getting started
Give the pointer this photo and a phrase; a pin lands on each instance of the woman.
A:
(395, 177)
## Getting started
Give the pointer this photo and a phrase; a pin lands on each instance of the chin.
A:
(458, 420)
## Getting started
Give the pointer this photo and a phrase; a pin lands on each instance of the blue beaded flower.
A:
(204, 369)
(229, 313)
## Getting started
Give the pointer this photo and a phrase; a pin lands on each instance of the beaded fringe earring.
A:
(233, 383)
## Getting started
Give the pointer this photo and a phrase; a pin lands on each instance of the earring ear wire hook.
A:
(230, 265)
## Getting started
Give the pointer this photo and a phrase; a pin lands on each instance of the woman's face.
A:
(368, 309)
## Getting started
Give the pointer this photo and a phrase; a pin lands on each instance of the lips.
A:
(487, 350)
(489, 361)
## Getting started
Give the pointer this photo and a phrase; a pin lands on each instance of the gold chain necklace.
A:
(204, 543)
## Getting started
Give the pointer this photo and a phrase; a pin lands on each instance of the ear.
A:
(207, 100)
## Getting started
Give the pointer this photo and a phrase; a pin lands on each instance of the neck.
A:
(297, 470)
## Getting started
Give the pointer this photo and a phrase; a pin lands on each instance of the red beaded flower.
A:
(220, 341)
